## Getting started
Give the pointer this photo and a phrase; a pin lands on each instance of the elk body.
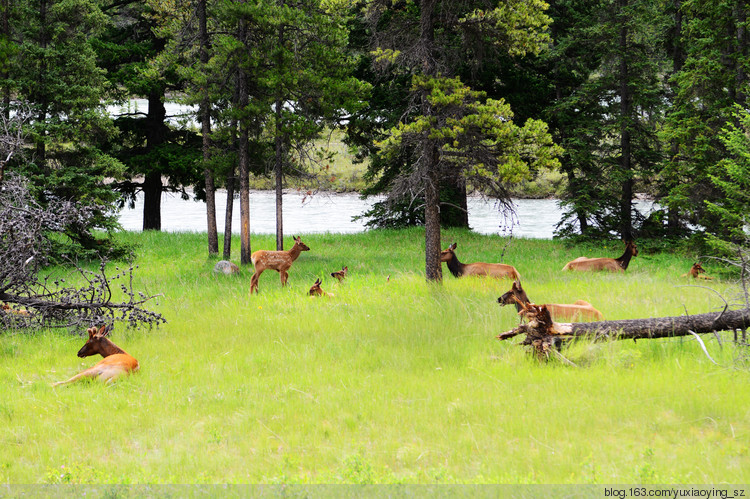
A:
(116, 361)
(559, 311)
(458, 269)
(696, 272)
(280, 261)
(340, 274)
(609, 264)
(316, 290)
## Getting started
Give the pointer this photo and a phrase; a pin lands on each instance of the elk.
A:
(697, 271)
(610, 264)
(280, 261)
(116, 361)
(15, 311)
(458, 269)
(568, 312)
(340, 274)
(316, 290)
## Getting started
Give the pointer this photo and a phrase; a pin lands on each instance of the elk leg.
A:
(254, 282)
(284, 276)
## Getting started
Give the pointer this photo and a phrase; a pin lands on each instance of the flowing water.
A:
(328, 212)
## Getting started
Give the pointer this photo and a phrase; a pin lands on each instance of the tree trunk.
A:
(278, 145)
(279, 185)
(155, 136)
(231, 180)
(543, 334)
(152, 187)
(433, 270)
(205, 112)
(626, 199)
(244, 163)
(430, 159)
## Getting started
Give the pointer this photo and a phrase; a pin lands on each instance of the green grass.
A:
(392, 380)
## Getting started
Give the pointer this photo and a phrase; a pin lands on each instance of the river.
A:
(329, 212)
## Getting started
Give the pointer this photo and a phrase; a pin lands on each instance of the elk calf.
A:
(280, 261)
(340, 274)
(116, 361)
(610, 264)
(697, 271)
(316, 290)
(458, 269)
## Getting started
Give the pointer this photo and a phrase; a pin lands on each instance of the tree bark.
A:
(626, 199)
(205, 111)
(155, 136)
(278, 145)
(430, 158)
(244, 164)
(543, 334)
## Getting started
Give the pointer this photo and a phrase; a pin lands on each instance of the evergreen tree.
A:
(52, 69)
(708, 83)
(450, 125)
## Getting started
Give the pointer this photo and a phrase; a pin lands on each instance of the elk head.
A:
(447, 254)
(97, 342)
(302, 246)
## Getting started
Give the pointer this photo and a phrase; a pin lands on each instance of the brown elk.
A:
(15, 311)
(458, 269)
(116, 361)
(316, 290)
(567, 312)
(280, 261)
(610, 264)
(697, 271)
(340, 274)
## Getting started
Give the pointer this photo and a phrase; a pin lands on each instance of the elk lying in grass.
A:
(611, 264)
(560, 312)
(116, 361)
(280, 261)
(15, 311)
(340, 274)
(316, 290)
(458, 269)
(697, 271)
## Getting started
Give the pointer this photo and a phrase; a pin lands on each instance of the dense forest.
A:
(440, 97)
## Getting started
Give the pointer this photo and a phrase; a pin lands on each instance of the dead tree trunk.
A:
(543, 334)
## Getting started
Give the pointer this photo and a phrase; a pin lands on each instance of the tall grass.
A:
(391, 380)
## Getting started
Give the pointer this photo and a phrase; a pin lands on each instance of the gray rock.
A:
(226, 267)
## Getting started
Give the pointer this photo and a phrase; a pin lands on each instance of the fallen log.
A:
(543, 334)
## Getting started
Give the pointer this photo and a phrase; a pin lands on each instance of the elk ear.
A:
(296, 238)
(453, 246)
(91, 331)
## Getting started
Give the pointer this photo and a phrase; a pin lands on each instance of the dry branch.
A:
(543, 334)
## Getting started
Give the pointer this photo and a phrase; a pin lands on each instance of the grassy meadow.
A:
(392, 380)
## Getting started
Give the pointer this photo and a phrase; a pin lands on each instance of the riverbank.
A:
(392, 380)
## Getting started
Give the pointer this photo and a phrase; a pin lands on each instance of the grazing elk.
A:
(697, 271)
(611, 264)
(15, 311)
(458, 269)
(559, 312)
(280, 261)
(340, 274)
(316, 290)
(116, 361)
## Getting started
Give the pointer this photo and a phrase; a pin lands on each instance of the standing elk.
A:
(316, 290)
(458, 269)
(568, 312)
(340, 274)
(280, 261)
(697, 271)
(611, 264)
(116, 361)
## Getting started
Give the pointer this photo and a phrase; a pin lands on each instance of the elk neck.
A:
(456, 267)
(108, 348)
(295, 252)
(624, 260)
